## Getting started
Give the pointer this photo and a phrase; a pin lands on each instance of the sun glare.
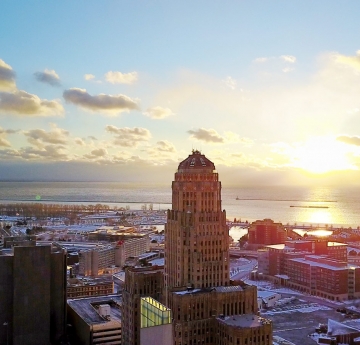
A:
(321, 155)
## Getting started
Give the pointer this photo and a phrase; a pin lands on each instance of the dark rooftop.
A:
(85, 308)
(196, 161)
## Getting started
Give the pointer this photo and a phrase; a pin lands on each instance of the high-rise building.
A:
(139, 282)
(196, 235)
(203, 299)
(33, 294)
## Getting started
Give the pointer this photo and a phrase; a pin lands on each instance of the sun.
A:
(320, 155)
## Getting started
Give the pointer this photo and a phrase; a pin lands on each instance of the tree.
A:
(243, 239)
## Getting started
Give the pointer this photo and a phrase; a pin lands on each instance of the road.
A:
(240, 268)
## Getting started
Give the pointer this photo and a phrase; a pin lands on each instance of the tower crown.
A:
(196, 162)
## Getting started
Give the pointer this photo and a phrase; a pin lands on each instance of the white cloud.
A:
(158, 112)
(111, 104)
(96, 154)
(288, 58)
(285, 58)
(7, 77)
(4, 142)
(48, 152)
(349, 140)
(231, 137)
(129, 137)
(115, 77)
(39, 137)
(287, 69)
(49, 77)
(165, 146)
(89, 76)
(3, 135)
(352, 61)
(23, 103)
(207, 135)
(79, 141)
(230, 82)
(261, 59)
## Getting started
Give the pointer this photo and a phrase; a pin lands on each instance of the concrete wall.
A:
(31, 319)
(6, 297)
(159, 335)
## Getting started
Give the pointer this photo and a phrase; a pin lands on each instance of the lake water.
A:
(332, 206)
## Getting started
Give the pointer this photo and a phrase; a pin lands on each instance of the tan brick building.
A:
(83, 287)
(198, 289)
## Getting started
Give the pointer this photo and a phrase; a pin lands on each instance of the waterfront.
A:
(333, 206)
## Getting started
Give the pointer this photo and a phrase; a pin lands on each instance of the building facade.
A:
(265, 232)
(318, 267)
(84, 287)
(139, 282)
(97, 260)
(33, 294)
(95, 320)
(324, 277)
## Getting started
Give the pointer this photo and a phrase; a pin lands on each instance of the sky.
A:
(119, 90)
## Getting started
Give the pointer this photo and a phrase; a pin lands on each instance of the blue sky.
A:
(124, 90)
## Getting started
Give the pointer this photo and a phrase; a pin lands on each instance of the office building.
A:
(155, 323)
(95, 320)
(266, 232)
(198, 289)
(98, 259)
(139, 282)
(33, 294)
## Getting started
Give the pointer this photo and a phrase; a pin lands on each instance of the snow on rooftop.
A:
(337, 328)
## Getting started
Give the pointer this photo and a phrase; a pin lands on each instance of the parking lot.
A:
(296, 322)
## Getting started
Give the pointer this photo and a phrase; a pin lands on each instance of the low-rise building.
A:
(95, 320)
(324, 277)
(312, 266)
(267, 299)
(84, 287)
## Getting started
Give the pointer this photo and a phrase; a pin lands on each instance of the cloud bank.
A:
(23, 103)
(112, 104)
(129, 137)
(38, 137)
(349, 140)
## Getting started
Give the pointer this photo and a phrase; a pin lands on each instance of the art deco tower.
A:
(197, 246)
(207, 307)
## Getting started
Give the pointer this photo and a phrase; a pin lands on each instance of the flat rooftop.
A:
(244, 321)
(328, 264)
(84, 307)
(230, 288)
